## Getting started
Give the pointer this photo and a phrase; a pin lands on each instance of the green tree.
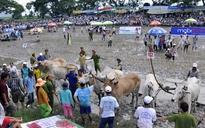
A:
(10, 6)
(83, 4)
(18, 9)
(29, 6)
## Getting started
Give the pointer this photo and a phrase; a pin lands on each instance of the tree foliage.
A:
(11, 6)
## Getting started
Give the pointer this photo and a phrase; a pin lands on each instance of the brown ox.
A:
(125, 86)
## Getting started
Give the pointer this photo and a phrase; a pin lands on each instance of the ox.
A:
(187, 93)
(58, 68)
(124, 86)
(150, 87)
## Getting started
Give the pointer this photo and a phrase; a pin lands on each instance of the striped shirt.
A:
(15, 84)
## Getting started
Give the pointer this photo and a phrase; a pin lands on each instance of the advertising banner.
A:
(189, 30)
(130, 30)
(51, 122)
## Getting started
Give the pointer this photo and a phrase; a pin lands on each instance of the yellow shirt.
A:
(81, 60)
(37, 73)
(42, 97)
(78, 85)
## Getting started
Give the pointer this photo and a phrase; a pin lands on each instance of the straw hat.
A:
(40, 82)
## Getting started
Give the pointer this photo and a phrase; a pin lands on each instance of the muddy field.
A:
(134, 59)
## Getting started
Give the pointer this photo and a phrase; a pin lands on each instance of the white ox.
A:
(150, 87)
(187, 93)
(58, 68)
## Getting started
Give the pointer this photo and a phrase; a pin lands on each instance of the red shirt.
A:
(5, 122)
(3, 89)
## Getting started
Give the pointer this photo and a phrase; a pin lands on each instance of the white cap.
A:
(24, 62)
(40, 54)
(168, 49)
(81, 80)
(174, 44)
(108, 89)
(148, 99)
(4, 64)
(35, 65)
(195, 65)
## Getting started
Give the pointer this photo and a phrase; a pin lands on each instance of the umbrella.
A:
(157, 31)
(190, 20)
(155, 23)
(108, 23)
(97, 23)
(67, 23)
(92, 22)
(8, 30)
(35, 30)
(52, 25)
(20, 27)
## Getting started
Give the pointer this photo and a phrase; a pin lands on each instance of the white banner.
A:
(130, 30)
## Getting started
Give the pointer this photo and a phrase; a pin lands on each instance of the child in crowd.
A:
(110, 41)
(66, 100)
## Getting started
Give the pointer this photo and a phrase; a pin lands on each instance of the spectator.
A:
(82, 97)
(38, 39)
(110, 41)
(82, 60)
(17, 90)
(46, 55)
(24, 71)
(2, 114)
(194, 72)
(36, 72)
(40, 57)
(186, 44)
(72, 78)
(13, 68)
(4, 97)
(173, 51)
(145, 115)
(119, 64)
(195, 45)
(182, 120)
(29, 87)
(33, 59)
(5, 69)
(66, 100)
(107, 108)
(82, 51)
(42, 98)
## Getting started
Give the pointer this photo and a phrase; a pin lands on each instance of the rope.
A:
(156, 78)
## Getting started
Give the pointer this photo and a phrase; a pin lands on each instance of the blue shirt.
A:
(83, 95)
(72, 80)
(41, 58)
(24, 72)
(66, 97)
(29, 83)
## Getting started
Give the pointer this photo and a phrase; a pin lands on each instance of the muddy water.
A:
(133, 57)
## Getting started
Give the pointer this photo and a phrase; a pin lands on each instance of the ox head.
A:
(180, 92)
(43, 66)
(153, 89)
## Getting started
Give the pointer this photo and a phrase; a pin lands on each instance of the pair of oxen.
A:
(124, 85)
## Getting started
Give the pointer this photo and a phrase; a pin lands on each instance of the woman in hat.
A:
(42, 98)
(66, 100)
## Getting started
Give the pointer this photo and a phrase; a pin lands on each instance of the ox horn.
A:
(176, 84)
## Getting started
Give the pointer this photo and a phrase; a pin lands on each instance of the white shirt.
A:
(13, 69)
(146, 117)
(108, 104)
(2, 114)
(63, 29)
